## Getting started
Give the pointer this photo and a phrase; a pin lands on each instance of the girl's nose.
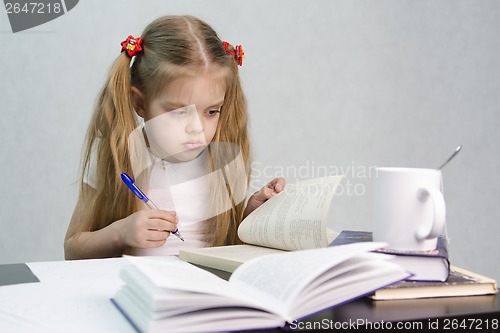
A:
(195, 123)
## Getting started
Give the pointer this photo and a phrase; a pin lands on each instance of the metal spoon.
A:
(451, 157)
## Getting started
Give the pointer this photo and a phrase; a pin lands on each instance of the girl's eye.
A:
(213, 112)
(180, 112)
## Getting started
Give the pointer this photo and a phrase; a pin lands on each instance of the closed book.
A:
(431, 265)
(461, 282)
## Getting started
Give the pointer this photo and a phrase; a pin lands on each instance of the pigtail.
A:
(232, 157)
(107, 141)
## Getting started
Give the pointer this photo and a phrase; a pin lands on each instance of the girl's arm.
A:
(142, 229)
(258, 198)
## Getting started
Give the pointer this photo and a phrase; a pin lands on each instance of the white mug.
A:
(409, 208)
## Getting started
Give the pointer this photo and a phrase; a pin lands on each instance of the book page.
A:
(228, 258)
(239, 253)
(276, 280)
(175, 286)
(294, 219)
(225, 258)
(187, 277)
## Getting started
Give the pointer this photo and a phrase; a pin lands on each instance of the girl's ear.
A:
(138, 102)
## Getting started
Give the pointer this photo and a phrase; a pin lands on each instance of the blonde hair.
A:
(173, 46)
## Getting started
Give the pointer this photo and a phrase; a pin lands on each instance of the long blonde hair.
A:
(172, 46)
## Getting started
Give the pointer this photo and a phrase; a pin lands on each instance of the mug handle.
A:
(433, 229)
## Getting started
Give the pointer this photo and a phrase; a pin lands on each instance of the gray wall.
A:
(331, 85)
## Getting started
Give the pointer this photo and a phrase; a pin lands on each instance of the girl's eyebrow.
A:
(174, 105)
(178, 105)
(216, 104)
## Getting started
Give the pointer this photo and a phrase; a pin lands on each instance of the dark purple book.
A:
(431, 265)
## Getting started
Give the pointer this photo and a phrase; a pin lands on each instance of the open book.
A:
(163, 295)
(295, 219)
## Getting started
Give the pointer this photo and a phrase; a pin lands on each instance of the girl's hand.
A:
(147, 228)
(272, 188)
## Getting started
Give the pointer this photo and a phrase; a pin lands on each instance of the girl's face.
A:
(182, 119)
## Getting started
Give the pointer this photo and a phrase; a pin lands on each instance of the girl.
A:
(173, 115)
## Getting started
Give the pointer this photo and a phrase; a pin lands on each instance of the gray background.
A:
(331, 85)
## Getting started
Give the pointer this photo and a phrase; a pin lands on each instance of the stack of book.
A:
(296, 219)
(433, 276)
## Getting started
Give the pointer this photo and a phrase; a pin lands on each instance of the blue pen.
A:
(137, 191)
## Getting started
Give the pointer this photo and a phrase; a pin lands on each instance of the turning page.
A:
(294, 219)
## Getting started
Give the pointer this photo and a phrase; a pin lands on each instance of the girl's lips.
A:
(192, 145)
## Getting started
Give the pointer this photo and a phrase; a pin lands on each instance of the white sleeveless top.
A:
(180, 187)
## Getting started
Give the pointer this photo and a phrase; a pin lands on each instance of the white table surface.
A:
(72, 296)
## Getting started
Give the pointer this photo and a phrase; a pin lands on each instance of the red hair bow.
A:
(238, 52)
(132, 45)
